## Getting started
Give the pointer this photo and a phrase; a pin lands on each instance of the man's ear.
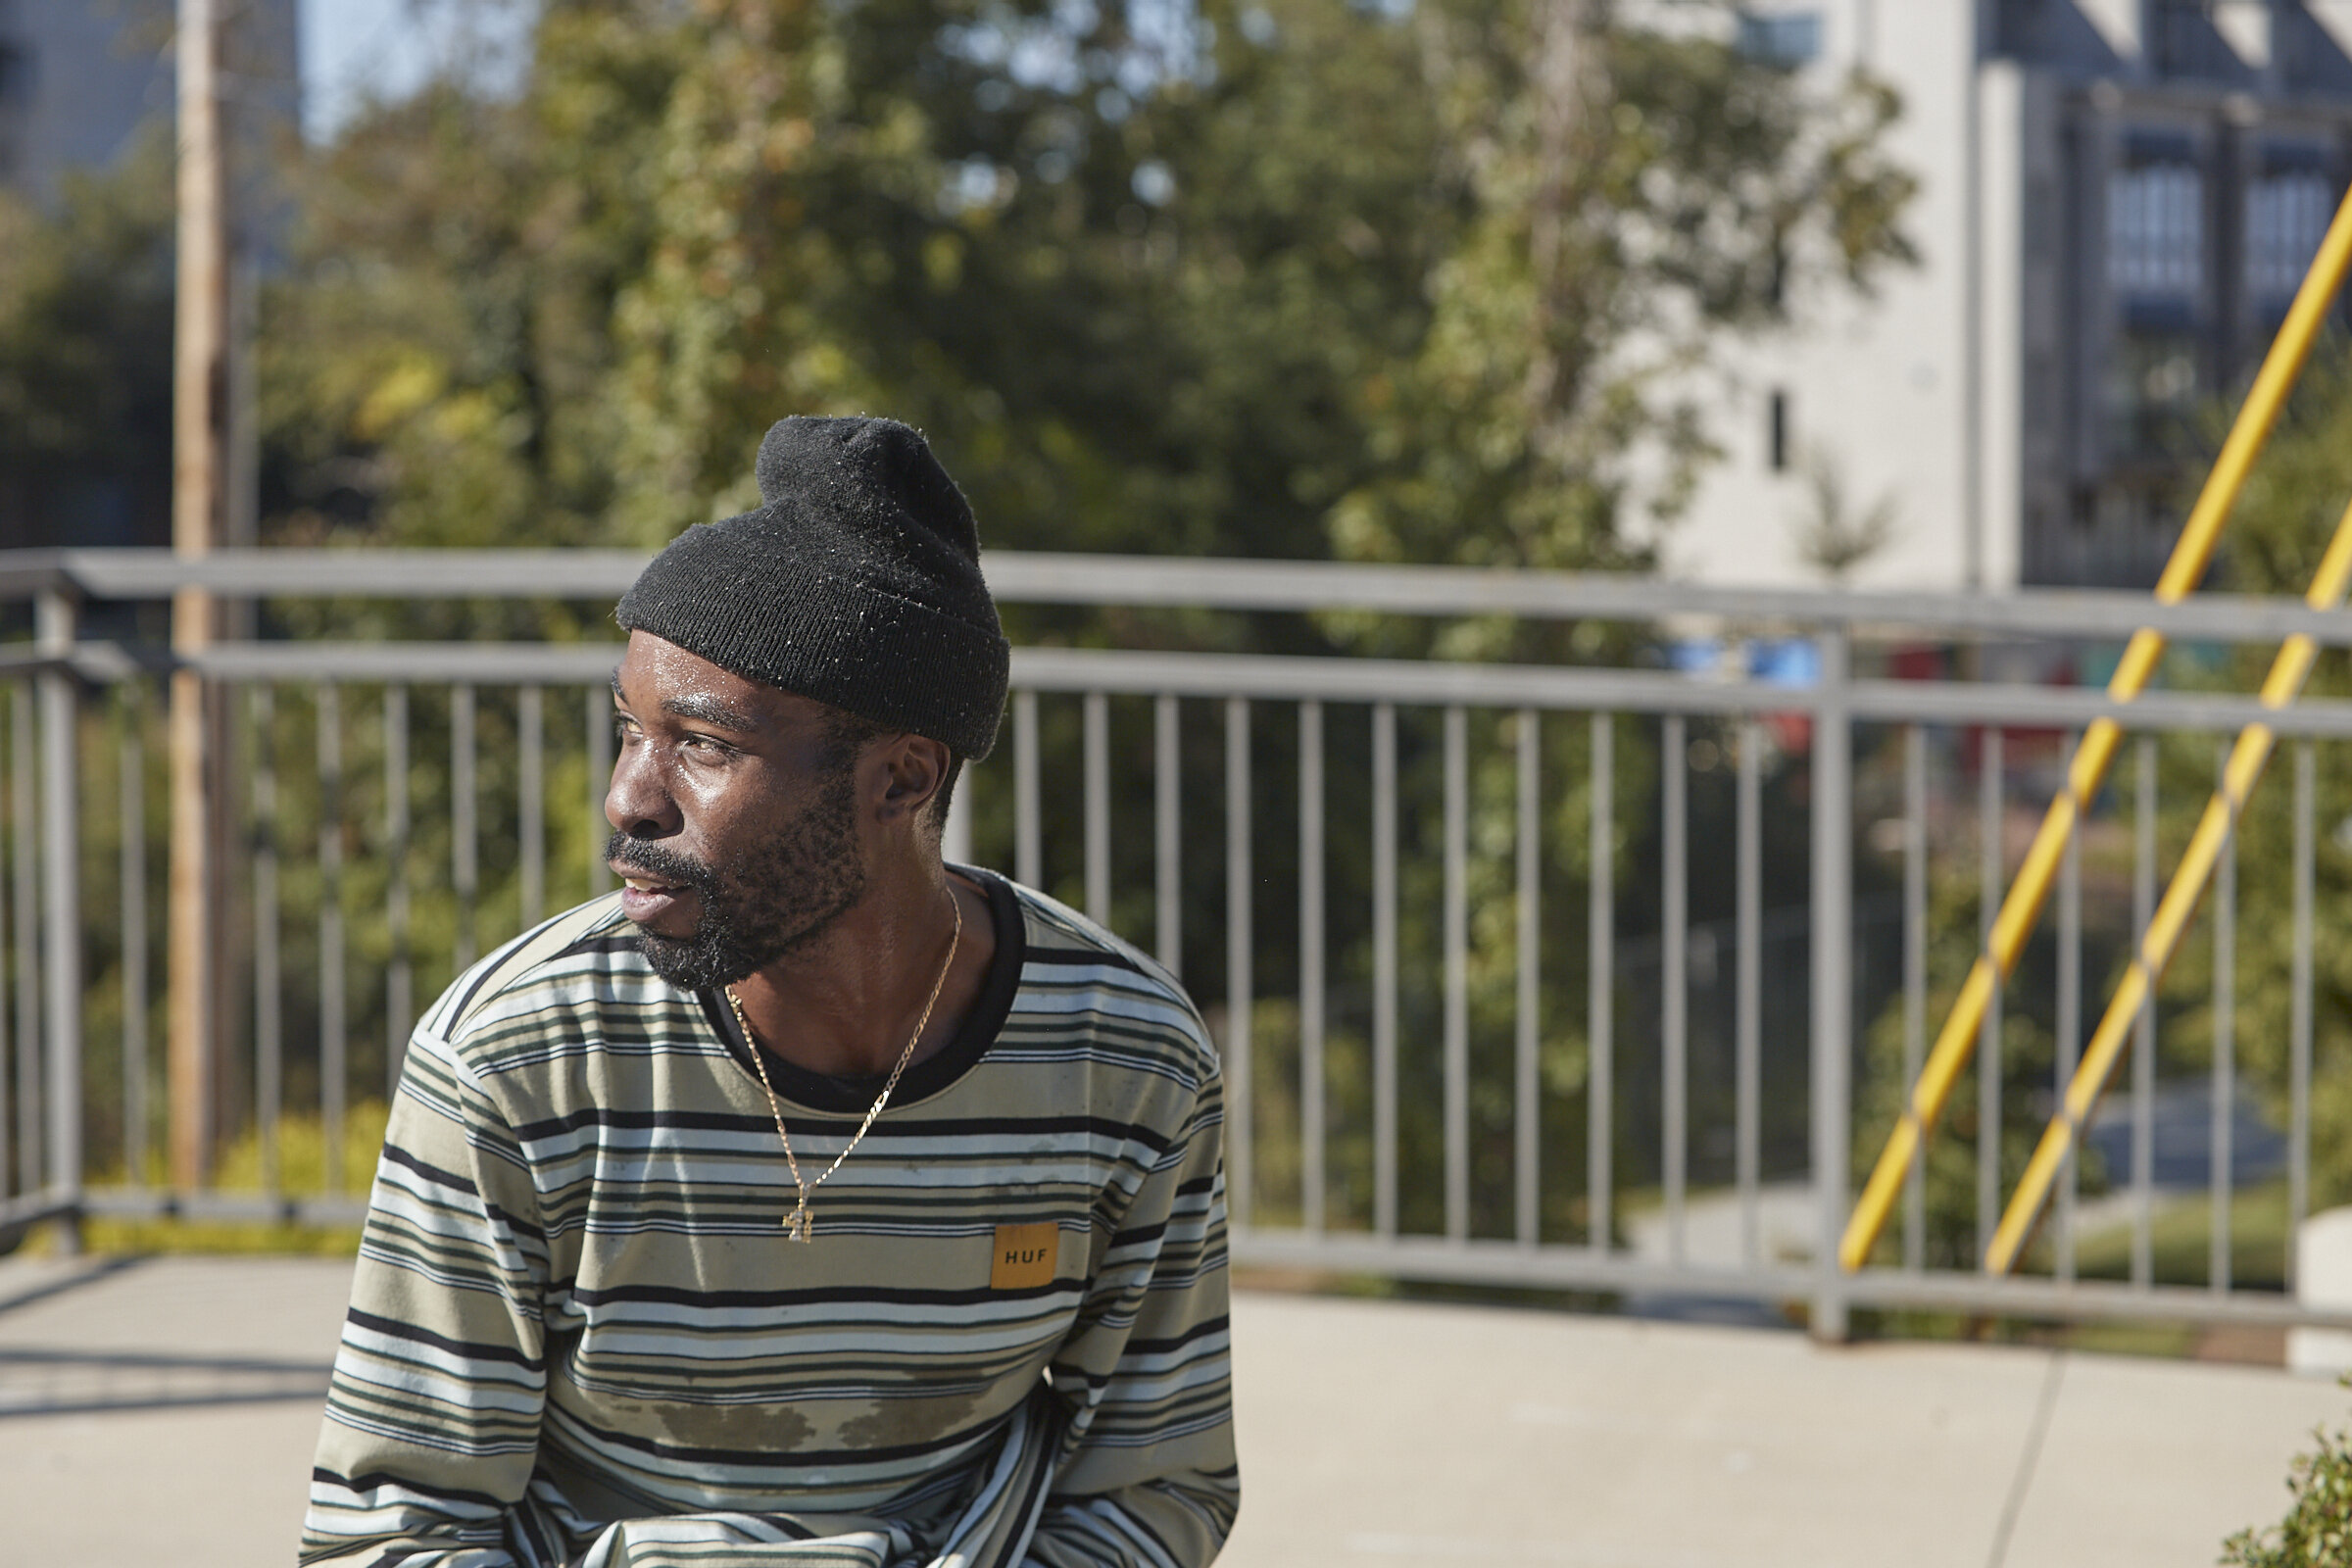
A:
(915, 767)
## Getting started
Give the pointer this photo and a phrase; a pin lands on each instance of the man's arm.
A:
(432, 1419)
(1150, 1477)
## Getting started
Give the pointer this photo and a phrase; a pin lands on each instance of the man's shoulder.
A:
(559, 965)
(1082, 965)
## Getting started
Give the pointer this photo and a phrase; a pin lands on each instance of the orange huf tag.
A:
(1025, 1255)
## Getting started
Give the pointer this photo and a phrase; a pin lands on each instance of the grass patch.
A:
(2181, 1243)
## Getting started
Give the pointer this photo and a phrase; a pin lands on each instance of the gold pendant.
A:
(800, 1225)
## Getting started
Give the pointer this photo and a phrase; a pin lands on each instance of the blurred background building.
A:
(78, 79)
(2118, 199)
(81, 80)
(87, 86)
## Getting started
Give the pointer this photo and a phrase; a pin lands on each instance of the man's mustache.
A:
(661, 863)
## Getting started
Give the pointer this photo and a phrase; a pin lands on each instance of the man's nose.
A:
(636, 801)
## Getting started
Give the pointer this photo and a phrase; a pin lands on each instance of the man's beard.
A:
(780, 896)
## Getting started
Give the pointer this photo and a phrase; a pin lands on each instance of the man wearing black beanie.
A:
(810, 1199)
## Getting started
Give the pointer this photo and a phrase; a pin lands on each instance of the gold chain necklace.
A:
(800, 1225)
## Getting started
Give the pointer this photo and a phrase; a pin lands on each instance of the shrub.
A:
(2317, 1532)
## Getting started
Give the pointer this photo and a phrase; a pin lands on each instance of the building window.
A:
(1787, 39)
(2156, 271)
(2287, 209)
(2156, 221)
(1776, 431)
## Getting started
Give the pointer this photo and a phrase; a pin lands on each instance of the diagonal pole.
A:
(2022, 909)
(2247, 759)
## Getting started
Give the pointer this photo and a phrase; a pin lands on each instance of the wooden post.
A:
(199, 479)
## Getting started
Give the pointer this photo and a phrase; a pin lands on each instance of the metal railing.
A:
(1476, 1027)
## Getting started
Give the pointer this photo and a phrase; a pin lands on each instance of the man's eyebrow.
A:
(700, 707)
(710, 709)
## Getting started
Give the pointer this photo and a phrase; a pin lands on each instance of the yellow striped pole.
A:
(2247, 759)
(2023, 906)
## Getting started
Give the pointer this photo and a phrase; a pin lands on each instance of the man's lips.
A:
(644, 897)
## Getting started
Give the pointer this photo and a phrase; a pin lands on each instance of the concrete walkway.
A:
(163, 1411)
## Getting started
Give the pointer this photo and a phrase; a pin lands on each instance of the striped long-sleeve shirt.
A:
(579, 1336)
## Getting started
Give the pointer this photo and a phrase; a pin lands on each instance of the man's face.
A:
(735, 820)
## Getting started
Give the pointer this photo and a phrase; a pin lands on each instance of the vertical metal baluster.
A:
(1167, 828)
(23, 1042)
(956, 833)
(465, 849)
(2298, 1126)
(61, 908)
(1989, 1038)
(1832, 940)
(1601, 987)
(2143, 1045)
(132, 807)
(399, 971)
(1674, 976)
(1312, 980)
(2069, 1005)
(2225, 1046)
(1527, 1038)
(1028, 836)
(27, 891)
(1456, 921)
(269, 1030)
(8, 1099)
(1384, 968)
(1749, 1002)
(1240, 947)
(1915, 977)
(600, 783)
(1097, 740)
(335, 1013)
(530, 790)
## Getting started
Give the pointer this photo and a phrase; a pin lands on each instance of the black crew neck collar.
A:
(850, 1097)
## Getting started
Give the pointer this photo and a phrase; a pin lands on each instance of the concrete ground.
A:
(163, 1411)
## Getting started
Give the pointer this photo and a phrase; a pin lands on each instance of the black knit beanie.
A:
(858, 583)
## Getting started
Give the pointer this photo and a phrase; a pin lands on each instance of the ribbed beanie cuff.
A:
(856, 584)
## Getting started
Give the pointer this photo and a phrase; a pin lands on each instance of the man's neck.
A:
(846, 1005)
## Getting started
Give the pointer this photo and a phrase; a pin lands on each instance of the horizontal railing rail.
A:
(1256, 676)
(1525, 975)
(1046, 578)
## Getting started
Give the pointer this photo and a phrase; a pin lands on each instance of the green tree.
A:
(2293, 505)
(86, 356)
(1632, 198)
(436, 364)
(1286, 279)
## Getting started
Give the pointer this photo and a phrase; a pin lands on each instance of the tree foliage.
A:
(2293, 503)
(85, 354)
(1289, 278)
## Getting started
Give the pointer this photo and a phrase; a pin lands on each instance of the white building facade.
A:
(2117, 200)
